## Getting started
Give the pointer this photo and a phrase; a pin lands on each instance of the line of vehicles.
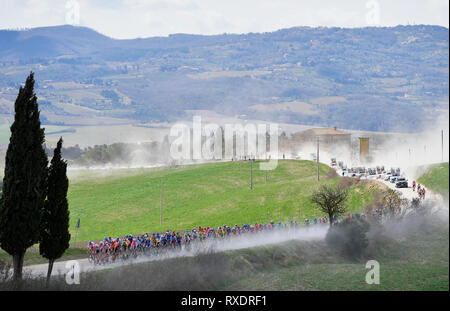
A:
(392, 175)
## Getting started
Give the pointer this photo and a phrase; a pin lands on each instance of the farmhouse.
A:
(329, 138)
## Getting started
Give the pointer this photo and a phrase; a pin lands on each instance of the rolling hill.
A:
(379, 78)
(128, 201)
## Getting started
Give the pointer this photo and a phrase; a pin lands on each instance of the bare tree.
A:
(393, 204)
(330, 200)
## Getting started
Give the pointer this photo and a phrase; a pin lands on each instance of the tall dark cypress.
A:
(55, 234)
(25, 179)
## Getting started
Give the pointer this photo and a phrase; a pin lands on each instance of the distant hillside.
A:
(48, 42)
(374, 78)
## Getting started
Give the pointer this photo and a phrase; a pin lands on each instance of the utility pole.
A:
(251, 175)
(76, 232)
(161, 204)
(266, 173)
(318, 175)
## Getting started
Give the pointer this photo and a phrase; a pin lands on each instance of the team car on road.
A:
(401, 182)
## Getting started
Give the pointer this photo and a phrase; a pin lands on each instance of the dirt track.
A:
(233, 242)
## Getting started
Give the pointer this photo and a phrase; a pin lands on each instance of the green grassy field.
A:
(128, 202)
(418, 261)
(436, 179)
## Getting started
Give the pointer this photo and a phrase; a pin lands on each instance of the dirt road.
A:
(234, 242)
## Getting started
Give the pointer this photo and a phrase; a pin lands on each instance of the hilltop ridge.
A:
(380, 78)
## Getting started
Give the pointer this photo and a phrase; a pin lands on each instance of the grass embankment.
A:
(436, 179)
(418, 261)
(206, 195)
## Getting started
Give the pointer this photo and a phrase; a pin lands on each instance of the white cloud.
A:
(143, 18)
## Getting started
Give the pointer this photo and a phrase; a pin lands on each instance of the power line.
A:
(266, 175)
(161, 204)
(318, 174)
(251, 175)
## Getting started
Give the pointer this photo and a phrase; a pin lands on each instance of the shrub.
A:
(349, 236)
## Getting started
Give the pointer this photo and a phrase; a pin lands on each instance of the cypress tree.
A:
(25, 178)
(55, 234)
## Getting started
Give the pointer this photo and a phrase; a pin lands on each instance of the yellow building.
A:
(363, 148)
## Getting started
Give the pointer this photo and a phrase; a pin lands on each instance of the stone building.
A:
(329, 138)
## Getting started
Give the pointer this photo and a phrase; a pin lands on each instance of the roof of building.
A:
(321, 131)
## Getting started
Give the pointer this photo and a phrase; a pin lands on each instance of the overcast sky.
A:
(145, 18)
